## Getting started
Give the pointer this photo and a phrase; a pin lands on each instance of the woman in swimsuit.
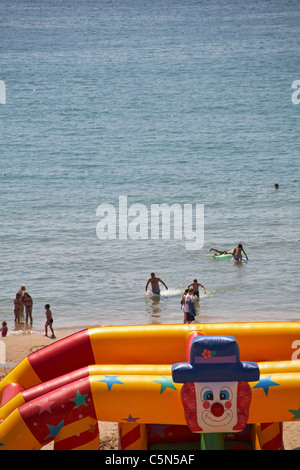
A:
(28, 303)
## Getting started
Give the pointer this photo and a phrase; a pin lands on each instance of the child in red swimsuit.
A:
(4, 329)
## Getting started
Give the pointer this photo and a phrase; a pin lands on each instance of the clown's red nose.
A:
(217, 409)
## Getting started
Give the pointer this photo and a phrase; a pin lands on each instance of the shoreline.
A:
(19, 346)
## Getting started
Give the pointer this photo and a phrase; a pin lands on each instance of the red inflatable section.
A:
(60, 359)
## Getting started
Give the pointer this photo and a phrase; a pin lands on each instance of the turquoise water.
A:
(165, 102)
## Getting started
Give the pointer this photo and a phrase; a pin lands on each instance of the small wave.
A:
(178, 292)
(18, 331)
(166, 293)
(171, 292)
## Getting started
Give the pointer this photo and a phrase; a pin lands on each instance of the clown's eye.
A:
(225, 394)
(208, 395)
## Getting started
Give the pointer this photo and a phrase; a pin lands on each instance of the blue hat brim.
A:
(241, 371)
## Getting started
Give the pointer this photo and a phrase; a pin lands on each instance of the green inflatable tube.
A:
(226, 255)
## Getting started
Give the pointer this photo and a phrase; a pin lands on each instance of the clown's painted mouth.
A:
(210, 420)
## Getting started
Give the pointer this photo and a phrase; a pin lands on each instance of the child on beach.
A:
(4, 329)
(49, 321)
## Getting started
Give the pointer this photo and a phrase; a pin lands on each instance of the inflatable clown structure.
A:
(216, 394)
(225, 386)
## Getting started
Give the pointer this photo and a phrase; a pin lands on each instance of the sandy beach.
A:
(21, 345)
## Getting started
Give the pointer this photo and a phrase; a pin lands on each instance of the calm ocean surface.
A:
(165, 102)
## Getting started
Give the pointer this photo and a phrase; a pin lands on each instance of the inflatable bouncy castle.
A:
(193, 386)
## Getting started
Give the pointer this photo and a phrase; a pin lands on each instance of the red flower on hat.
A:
(208, 353)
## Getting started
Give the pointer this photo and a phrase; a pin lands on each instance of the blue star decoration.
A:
(265, 383)
(79, 399)
(110, 380)
(130, 419)
(296, 414)
(158, 429)
(54, 430)
(1, 444)
(165, 382)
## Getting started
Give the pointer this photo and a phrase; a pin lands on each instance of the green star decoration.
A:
(296, 414)
(79, 399)
(165, 382)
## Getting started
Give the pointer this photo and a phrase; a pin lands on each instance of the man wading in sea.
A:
(154, 284)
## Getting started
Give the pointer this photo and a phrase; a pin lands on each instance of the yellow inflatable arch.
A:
(136, 375)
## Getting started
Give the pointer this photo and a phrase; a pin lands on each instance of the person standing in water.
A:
(17, 307)
(21, 291)
(28, 303)
(238, 253)
(154, 281)
(188, 317)
(195, 286)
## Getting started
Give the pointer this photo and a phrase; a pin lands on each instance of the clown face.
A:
(216, 406)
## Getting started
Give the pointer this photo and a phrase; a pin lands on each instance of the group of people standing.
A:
(187, 301)
(23, 301)
(192, 292)
(187, 304)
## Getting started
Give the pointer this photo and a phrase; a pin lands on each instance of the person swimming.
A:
(237, 252)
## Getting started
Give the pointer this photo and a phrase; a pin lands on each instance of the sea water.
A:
(162, 102)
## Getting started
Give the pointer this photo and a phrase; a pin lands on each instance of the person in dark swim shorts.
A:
(49, 321)
(220, 252)
(195, 286)
(154, 281)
